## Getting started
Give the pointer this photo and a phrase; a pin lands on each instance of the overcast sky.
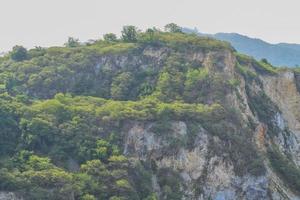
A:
(50, 22)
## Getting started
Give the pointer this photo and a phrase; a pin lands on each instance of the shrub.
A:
(173, 28)
(19, 53)
(110, 37)
(129, 34)
(72, 42)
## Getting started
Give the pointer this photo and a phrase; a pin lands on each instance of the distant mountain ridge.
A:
(281, 54)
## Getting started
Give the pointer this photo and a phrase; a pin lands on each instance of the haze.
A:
(49, 22)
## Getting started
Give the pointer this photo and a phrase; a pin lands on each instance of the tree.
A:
(122, 85)
(173, 28)
(72, 42)
(129, 34)
(9, 130)
(19, 53)
(36, 52)
(150, 32)
(110, 37)
(264, 60)
(88, 197)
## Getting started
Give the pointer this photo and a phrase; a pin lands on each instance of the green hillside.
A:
(65, 111)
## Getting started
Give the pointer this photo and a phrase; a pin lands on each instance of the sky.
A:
(49, 22)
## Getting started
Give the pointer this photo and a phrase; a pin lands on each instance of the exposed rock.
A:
(283, 91)
(213, 174)
(9, 196)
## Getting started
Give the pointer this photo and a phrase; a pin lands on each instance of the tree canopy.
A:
(129, 34)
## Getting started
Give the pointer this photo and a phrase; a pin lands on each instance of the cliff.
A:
(173, 116)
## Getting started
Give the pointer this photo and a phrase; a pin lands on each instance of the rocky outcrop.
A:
(198, 167)
(282, 89)
(206, 174)
(9, 196)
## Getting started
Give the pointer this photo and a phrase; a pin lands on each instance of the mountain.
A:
(155, 117)
(281, 54)
(278, 54)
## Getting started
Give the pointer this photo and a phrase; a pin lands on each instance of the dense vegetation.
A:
(63, 111)
(59, 142)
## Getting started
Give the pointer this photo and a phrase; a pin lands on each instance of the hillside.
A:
(153, 115)
(278, 54)
(281, 54)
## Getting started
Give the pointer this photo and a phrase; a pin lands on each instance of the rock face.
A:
(9, 196)
(195, 164)
(205, 174)
(282, 90)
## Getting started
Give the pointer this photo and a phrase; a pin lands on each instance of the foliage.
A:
(184, 41)
(77, 127)
(261, 66)
(121, 86)
(112, 48)
(170, 83)
(129, 34)
(64, 112)
(9, 128)
(173, 28)
(246, 72)
(72, 42)
(19, 53)
(196, 81)
(267, 67)
(110, 37)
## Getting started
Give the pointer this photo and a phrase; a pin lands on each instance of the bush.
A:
(72, 42)
(129, 34)
(173, 28)
(110, 37)
(19, 53)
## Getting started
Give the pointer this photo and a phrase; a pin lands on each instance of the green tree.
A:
(9, 130)
(19, 53)
(173, 28)
(121, 86)
(110, 37)
(170, 85)
(149, 34)
(72, 42)
(129, 34)
(264, 60)
(88, 197)
(39, 163)
(37, 133)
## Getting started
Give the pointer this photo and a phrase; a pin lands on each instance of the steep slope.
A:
(170, 116)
